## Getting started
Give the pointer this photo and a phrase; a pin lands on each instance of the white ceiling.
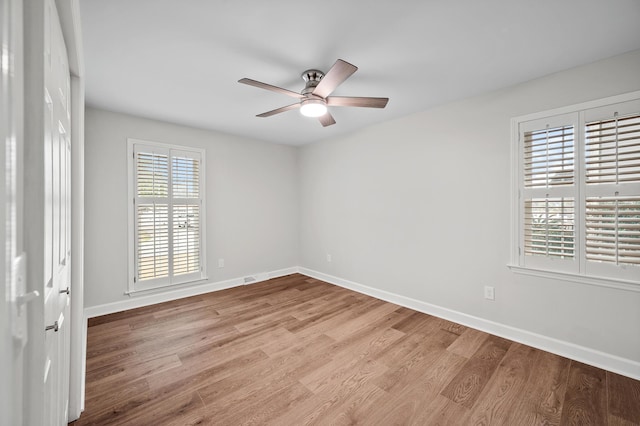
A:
(180, 60)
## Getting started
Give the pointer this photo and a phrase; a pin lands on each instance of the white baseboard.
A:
(616, 364)
(144, 298)
(282, 272)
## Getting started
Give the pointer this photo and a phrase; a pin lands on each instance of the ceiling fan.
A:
(314, 98)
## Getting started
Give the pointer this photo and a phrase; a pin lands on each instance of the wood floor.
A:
(297, 351)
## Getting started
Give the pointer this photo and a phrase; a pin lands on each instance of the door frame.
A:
(69, 12)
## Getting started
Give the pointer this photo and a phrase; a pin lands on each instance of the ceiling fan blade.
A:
(279, 110)
(338, 73)
(326, 120)
(357, 102)
(270, 87)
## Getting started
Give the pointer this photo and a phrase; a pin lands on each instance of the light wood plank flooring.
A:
(297, 351)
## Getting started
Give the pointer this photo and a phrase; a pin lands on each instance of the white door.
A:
(57, 221)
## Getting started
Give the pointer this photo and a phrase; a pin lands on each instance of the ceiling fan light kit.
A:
(314, 98)
(313, 107)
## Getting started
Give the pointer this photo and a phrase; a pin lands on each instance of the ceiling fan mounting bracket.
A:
(312, 76)
(311, 79)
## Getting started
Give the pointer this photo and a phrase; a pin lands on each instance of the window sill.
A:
(166, 287)
(581, 279)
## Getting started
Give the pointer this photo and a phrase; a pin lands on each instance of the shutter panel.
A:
(186, 177)
(549, 157)
(549, 192)
(152, 175)
(152, 215)
(613, 150)
(612, 165)
(152, 241)
(186, 239)
(613, 230)
(549, 227)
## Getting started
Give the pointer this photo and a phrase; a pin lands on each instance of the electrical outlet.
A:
(328, 257)
(489, 293)
(220, 263)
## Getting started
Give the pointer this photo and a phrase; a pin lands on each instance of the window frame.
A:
(134, 285)
(622, 276)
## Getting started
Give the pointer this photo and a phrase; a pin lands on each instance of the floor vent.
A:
(251, 279)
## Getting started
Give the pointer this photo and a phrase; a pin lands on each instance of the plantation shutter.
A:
(548, 192)
(612, 174)
(167, 199)
(578, 191)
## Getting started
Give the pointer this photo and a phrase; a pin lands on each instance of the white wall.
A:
(251, 201)
(420, 207)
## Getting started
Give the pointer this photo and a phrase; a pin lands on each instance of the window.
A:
(577, 176)
(167, 207)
